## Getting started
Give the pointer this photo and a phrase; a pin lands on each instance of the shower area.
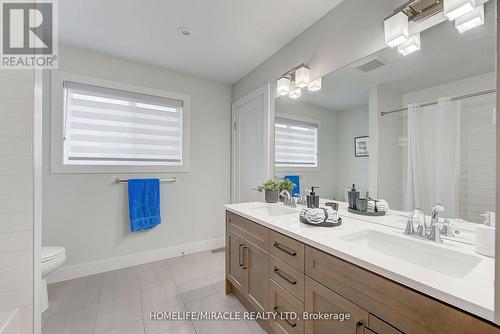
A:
(444, 146)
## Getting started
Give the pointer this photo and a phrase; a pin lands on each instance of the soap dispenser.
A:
(352, 197)
(485, 235)
(313, 199)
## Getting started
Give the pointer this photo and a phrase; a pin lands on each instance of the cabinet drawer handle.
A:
(285, 276)
(276, 311)
(359, 325)
(244, 264)
(240, 255)
(285, 249)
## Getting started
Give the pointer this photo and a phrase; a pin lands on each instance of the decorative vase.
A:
(271, 196)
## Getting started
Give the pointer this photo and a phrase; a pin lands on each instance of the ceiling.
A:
(229, 38)
(446, 55)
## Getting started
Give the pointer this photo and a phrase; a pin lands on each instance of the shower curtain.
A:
(433, 165)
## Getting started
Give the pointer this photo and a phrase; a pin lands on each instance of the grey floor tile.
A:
(186, 328)
(196, 288)
(136, 327)
(72, 321)
(120, 281)
(155, 274)
(77, 293)
(118, 307)
(164, 298)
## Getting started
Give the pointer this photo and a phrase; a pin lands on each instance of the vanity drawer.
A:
(380, 327)
(287, 249)
(253, 232)
(409, 311)
(281, 302)
(287, 276)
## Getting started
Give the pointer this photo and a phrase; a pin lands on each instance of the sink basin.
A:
(274, 210)
(420, 253)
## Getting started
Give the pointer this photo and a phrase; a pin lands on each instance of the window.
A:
(296, 143)
(101, 126)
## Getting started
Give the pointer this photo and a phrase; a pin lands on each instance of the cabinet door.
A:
(256, 266)
(234, 259)
(320, 300)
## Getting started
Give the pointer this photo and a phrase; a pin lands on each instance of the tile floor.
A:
(119, 302)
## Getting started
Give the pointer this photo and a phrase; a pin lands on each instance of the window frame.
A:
(304, 120)
(57, 119)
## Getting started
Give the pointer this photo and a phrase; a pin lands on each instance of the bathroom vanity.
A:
(368, 271)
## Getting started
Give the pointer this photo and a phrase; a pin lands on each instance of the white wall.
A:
(385, 154)
(16, 195)
(352, 30)
(339, 168)
(88, 213)
(352, 123)
(325, 177)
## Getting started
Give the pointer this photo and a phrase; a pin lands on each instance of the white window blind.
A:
(104, 126)
(296, 143)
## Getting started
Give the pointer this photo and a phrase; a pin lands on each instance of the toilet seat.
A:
(52, 253)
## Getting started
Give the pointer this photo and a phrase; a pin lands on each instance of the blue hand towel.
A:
(295, 179)
(143, 203)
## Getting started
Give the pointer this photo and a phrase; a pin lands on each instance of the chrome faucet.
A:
(285, 197)
(431, 231)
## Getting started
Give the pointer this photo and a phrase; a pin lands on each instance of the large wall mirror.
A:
(413, 130)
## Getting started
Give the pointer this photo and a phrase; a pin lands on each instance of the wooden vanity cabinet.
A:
(247, 264)
(234, 260)
(271, 272)
(321, 300)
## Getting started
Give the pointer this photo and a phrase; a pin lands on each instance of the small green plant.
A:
(270, 185)
(286, 184)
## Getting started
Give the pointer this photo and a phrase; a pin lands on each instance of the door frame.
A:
(268, 141)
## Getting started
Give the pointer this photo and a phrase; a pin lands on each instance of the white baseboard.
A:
(96, 267)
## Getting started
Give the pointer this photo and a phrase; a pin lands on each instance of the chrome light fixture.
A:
(410, 46)
(396, 29)
(302, 77)
(472, 19)
(283, 86)
(453, 9)
(314, 85)
(295, 92)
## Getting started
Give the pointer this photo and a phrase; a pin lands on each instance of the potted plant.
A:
(271, 190)
(287, 185)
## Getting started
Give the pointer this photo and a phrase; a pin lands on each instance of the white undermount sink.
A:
(274, 210)
(420, 253)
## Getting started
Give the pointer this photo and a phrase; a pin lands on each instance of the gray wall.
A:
(88, 214)
(352, 30)
(326, 176)
(352, 123)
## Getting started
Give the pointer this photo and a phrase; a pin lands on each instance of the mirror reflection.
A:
(411, 131)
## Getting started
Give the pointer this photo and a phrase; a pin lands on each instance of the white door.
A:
(251, 145)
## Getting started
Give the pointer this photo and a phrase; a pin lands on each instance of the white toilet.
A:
(52, 258)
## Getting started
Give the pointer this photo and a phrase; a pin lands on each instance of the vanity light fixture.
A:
(294, 80)
(472, 19)
(453, 9)
(410, 46)
(295, 92)
(302, 77)
(396, 29)
(283, 86)
(314, 85)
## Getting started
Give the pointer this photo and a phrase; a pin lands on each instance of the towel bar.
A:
(170, 180)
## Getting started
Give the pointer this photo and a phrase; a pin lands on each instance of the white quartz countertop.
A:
(472, 291)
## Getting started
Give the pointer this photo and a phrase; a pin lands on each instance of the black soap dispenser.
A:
(313, 199)
(352, 197)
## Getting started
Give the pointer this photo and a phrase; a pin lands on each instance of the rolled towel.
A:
(319, 215)
(382, 205)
